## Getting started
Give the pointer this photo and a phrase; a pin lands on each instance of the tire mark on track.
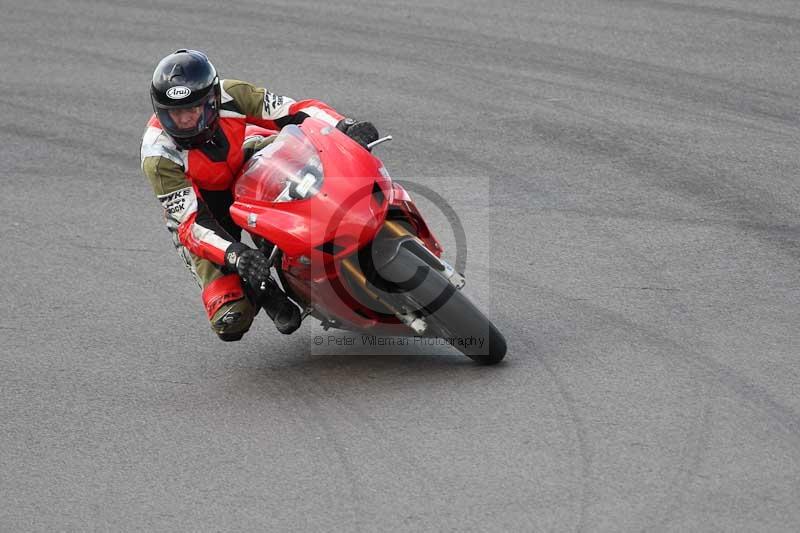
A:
(698, 448)
(411, 469)
(577, 422)
(634, 148)
(723, 374)
(309, 398)
(711, 375)
(713, 12)
(47, 115)
(648, 270)
(119, 158)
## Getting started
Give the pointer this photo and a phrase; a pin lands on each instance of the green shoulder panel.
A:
(247, 98)
(165, 176)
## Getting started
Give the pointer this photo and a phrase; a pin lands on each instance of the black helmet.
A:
(182, 80)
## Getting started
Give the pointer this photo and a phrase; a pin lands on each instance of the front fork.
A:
(405, 316)
(396, 230)
(385, 249)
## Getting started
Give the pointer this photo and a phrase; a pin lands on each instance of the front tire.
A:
(450, 313)
(459, 319)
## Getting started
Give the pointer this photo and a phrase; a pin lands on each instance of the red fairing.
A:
(403, 201)
(221, 291)
(334, 218)
(347, 210)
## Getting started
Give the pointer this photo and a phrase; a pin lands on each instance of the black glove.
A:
(251, 265)
(363, 132)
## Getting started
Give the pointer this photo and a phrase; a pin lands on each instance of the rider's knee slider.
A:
(221, 291)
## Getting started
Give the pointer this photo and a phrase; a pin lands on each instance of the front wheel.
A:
(449, 313)
(468, 329)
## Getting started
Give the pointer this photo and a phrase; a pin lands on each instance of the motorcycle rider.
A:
(192, 149)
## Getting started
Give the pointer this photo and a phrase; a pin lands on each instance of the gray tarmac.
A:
(627, 176)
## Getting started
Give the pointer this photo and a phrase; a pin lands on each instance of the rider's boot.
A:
(279, 308)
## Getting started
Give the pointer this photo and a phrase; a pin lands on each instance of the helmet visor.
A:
(187, 121)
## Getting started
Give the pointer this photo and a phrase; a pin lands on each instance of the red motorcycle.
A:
(349, 245)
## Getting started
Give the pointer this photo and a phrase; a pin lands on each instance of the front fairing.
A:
(336, 215)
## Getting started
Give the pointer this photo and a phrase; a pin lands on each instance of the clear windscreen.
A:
(287, 169)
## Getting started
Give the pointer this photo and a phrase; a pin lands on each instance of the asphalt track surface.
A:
(626, 173)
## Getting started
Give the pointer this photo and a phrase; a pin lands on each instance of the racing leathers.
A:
(194, 187)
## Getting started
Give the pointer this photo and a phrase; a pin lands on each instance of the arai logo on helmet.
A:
(176, 93)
